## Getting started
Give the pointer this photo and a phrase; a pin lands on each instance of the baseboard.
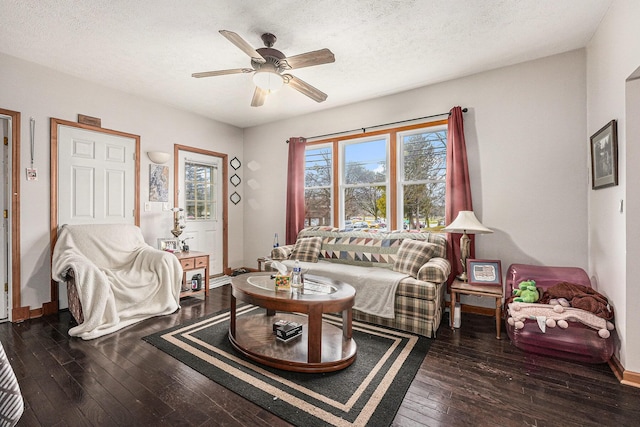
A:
(631, 379)
(50, 308)
(20, 314)
(625, 377)
(616, 367)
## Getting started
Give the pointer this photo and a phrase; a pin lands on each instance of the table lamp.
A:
(465, 223)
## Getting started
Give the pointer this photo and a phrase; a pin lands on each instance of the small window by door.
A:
(200, 195)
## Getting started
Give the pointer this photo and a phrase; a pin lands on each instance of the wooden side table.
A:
(458, 287)
(194, 261)
(266, 261)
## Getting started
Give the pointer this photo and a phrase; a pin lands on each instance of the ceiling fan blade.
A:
(304, 88)
(259, 96)
(317, 57)
(243, 45)
(222, 72)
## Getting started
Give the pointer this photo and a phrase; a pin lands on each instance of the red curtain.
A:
(458, 187)
(295, 190)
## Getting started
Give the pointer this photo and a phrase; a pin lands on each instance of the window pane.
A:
(423, 205)
(201, 210)
(190, 172)
(318, 182)
(190, 210)
(189, 191)
(317, 207)
(365, 206)
(365, 162)
(425, 156)
(318, 167)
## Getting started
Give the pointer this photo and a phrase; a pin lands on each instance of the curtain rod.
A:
(364, 130)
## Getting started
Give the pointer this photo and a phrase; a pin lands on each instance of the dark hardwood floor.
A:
(467, 379)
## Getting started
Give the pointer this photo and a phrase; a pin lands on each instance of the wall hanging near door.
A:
(604, 156)
(235, 163)
(32, 172)
(158, 183)
(235, 198)
(235, 180)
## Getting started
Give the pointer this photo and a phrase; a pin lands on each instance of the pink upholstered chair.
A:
(577, 342)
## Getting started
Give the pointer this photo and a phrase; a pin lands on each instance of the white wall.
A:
(612, 56)
(525, 134)
(41, 93)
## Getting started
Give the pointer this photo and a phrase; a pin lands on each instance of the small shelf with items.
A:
(194, 261)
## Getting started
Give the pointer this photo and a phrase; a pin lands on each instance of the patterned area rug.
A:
(367, 393)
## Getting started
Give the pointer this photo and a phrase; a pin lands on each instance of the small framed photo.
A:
(604, 156)
(484, 272)
(169, 245)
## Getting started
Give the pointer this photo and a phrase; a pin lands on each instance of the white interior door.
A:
(200, 195)
(96, 180)
(96, 177)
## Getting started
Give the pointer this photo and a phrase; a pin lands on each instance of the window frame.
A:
(210, 203)
(400, 176)
(331, 185)
(342, 185)
(392, 177)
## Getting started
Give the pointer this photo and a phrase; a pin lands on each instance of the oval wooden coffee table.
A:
(323, 347)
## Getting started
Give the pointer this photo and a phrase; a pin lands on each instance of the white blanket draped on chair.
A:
(120, 279)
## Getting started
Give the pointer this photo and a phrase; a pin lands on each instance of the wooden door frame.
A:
(52, 306)
(17, 312)
(225, 204)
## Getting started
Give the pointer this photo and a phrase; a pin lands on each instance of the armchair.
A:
(578, 341)
(113, 277)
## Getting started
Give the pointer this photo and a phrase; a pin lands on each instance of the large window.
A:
(392, 179)
(199, 183)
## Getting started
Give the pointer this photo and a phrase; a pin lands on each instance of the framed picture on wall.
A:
(484, 272)
(604, 157)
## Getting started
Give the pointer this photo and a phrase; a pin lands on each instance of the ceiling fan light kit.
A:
(268, 80)
(269, 64)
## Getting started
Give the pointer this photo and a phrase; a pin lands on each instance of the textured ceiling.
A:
(150, 48)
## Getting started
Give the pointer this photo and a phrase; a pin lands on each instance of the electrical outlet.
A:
(147, 206)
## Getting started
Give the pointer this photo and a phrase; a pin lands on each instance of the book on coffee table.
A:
(288, 331)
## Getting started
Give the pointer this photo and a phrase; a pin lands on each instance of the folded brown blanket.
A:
(580, 296)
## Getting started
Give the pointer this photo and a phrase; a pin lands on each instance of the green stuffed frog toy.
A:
(526, 292)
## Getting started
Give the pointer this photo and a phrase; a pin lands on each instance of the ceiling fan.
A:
(269, 66)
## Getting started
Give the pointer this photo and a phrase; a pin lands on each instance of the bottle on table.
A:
(296, 277)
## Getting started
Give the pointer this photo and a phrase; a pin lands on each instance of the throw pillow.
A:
(307, 249)
(412, 255)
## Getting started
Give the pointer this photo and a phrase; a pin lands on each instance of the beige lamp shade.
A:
(159, 157)
(466, 222)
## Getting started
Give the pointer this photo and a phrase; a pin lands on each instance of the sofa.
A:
(559, 330)
(399, 277)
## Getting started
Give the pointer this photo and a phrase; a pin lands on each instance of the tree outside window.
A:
(423, 164)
